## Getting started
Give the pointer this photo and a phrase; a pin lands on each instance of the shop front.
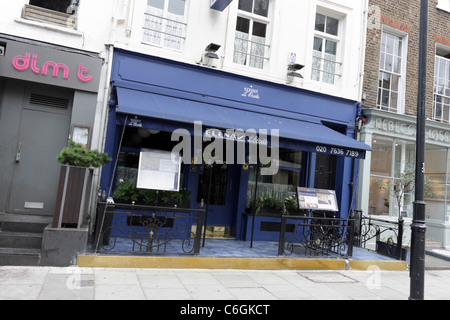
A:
(393, 141)
(47, 93)
(242, 146)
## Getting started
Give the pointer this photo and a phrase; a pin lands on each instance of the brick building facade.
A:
(403, 18)
(390, 92)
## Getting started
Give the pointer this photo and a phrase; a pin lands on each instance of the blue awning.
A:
(294, 134)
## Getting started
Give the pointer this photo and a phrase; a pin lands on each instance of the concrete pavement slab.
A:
(43, 283)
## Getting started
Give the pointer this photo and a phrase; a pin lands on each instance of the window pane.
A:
(258, 48)
(245, 5)
(332, 26)
(395, 83)
(382, 60)
(389, 44)
(262, 7)
(389, 62)
(243, 25)
(331, 48)
(386, 81)
(394, 101)
(381, 156)
(320, 22)
(400, 47)
(259, 29)
(318, 43)
(177, 7)
(156, 4)
(385, 98)
(397, 64)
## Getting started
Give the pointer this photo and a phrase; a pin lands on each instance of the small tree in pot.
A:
(74, 183)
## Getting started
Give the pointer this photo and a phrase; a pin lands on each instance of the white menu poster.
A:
(159, 170)
(316, 199)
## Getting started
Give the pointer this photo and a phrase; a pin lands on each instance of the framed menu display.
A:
(159, 170)
(316, 199)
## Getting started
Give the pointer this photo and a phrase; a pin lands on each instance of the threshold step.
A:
(22, 240)
(19, 257)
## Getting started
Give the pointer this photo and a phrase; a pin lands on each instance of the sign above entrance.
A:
(51, 65)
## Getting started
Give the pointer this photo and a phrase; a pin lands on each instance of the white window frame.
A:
(154, 17)
(328, 37)
(254, 18)
(444, 114)
(400, 108)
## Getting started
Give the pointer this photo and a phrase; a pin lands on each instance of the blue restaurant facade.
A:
(152, 97)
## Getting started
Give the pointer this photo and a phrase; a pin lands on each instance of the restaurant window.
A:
(391, 73)
(441, 101)
(136, 140)
(281, 186)
(390, 158)
(437, 190)
(165, 23)
(327, 40)
(251, 44)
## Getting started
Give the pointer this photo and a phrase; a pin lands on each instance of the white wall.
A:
(291, 30)
(94, 21)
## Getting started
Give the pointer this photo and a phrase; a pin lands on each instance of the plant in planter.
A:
(126, 193)
(78, 156)
(268, 204)
(75, 183)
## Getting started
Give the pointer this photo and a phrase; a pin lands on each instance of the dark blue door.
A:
(216, 188)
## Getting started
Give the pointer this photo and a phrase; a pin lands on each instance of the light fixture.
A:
(293, 68)
(210, 53)
(211, 50)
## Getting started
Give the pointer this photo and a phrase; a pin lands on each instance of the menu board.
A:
(159, 170)
(316, 199)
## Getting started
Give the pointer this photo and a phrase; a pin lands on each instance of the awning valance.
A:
(293, 133)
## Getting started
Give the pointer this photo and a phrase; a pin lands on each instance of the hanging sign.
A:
(316, 199)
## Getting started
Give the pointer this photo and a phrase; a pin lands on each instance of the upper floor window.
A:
(251, 38)
(325, 51)
(441, 109)
(391, 73)
(165, 23)
(61, 13)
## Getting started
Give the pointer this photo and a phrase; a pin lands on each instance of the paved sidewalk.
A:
(73, 283)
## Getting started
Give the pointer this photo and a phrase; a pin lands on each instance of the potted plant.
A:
(402, 184)
(75, 178)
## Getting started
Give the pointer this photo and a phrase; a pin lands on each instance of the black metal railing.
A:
(147, 230)
(375, 229)
(316, 236)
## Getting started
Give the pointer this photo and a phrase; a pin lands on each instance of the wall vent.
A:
(48, 101)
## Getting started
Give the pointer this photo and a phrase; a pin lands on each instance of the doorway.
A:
(39, 124)
(217, 189)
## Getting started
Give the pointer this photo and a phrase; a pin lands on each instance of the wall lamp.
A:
(210, 53)
(293, 68)
(211, 49)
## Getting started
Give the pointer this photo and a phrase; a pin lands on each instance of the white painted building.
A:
(281, 31)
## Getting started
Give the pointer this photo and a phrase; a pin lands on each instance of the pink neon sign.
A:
(30, 61)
